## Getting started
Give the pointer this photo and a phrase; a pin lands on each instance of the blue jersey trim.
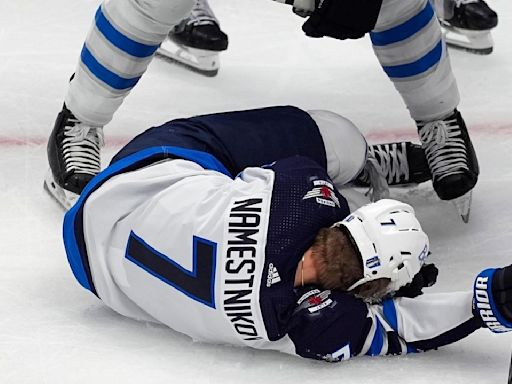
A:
(104, 74)
(378, 339)
(405, 30)
(416, 67)
(75, 258)
(411, 349)
(121, 41)
(390, 313)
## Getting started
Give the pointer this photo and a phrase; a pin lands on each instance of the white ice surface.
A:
(53, 331)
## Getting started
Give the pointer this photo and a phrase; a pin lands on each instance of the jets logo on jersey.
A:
(272, 275)
(319, 301)
(323, 193)
(314, 300)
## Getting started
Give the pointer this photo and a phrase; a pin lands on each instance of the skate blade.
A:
(463, 205)
(200, 61)
(478, 42)
(66, 199)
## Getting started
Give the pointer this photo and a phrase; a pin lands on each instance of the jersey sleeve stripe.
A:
(368, 342)
(389, 311)
(378, 339)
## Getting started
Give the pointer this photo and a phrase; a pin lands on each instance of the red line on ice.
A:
(406, 133)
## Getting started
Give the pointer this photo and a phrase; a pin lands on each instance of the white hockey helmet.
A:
(390, 240)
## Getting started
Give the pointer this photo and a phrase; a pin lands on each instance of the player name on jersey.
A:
(241, 266)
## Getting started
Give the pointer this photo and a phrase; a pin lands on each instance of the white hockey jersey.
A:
(184, 246)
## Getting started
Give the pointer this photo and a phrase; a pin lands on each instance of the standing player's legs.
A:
(467, 24)
(120, 45)
(408, 42)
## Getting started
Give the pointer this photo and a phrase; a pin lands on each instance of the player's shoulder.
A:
(328, 324)
(304, 198)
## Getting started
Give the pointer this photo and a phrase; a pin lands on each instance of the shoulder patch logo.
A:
(272, 275)
(323, 193)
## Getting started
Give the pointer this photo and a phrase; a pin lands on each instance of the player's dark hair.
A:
(339, 265)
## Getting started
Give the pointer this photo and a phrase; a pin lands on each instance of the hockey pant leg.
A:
(409, 45)
(120, 44)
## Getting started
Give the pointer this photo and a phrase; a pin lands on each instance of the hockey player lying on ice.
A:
(230, 228)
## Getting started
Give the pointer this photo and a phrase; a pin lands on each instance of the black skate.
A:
(470, 25)
(451, 159)
(196, 41)
(393, 164)
(74, 157)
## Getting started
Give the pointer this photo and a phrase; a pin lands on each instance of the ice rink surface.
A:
(53, 331)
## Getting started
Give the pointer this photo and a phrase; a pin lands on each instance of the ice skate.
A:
(196, 41)
(74, 157)
(470, 26)
(451, 159)
(398, 164)
(463, 205)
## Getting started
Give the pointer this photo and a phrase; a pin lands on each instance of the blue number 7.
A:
(198, 284)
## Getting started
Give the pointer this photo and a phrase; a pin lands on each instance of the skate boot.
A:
(74, 157)
(451, 159)
(470, 26)
(393, 164)
(196, 41)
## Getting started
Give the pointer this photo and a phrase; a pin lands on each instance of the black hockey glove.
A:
(342, 19)
(426, 277)
(492, 300)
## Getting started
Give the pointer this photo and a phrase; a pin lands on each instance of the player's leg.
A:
(467, 24)
(118, 49)
(351, 161)
(197, 40)
(408, 42)
(346, 153)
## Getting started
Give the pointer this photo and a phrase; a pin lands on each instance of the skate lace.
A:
(444, 147)
(81, 147)
(376, 178)
(392, 160)
(201, 14)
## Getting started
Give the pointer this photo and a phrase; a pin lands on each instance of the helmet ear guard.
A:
(390, 241)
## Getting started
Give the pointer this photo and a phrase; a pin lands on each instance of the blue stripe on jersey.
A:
(378, 339)
(405, 30)
(121, 41)
(390, 313)
(416, 67)
(76, 254)
(104, 74)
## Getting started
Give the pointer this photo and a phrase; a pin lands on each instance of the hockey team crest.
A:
(323, 193)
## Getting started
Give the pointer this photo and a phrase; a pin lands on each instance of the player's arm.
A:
(336, 326)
